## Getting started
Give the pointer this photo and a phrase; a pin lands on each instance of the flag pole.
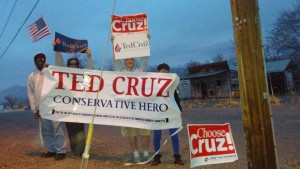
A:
(86, 155)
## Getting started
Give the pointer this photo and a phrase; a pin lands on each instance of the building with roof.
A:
(220, 80)
(213, 80)
(281, 76)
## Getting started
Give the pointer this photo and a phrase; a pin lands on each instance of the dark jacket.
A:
(177, 100)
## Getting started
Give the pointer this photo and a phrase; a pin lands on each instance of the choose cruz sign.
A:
(129, 23)
(140, 100)
(130, 36)
(69, 45)
(211, 144)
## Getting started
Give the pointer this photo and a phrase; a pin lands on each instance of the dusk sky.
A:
(181, 30)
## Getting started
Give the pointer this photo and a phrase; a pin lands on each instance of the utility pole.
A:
(257, 116)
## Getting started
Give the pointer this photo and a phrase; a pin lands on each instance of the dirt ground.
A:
(21, 148)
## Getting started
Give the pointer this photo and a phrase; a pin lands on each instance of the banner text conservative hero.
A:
(141, 100)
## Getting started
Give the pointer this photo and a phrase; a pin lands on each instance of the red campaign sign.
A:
(210, 140)
(129, 23)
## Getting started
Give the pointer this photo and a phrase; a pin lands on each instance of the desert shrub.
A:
(274, 100)
(295, 100)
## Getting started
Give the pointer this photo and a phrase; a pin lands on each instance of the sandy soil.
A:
(20, 144)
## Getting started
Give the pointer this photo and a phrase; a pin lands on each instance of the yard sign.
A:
(211, 144)
(130, 34)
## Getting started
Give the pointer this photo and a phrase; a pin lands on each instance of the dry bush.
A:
(274, 100)
(227, 103)
(192, 104)
(220, 104)
(295, 100)
(231, 102)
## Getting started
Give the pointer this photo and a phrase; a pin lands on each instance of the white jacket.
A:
(34, 88)
(143, 65)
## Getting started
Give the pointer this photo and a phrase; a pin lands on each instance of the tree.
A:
(231, 59)
(152, 68)
(192, 63)
(10, 101)
(180, 71)
(283, 40)
(218, 58)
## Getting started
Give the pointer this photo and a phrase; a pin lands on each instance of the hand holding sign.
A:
(88, 52)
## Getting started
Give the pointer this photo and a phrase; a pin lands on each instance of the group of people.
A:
(53, 135)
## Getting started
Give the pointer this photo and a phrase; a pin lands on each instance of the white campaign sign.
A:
(131, 45)
(140, 100)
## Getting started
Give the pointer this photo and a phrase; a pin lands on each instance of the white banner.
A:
(140, 100)
(131, 45)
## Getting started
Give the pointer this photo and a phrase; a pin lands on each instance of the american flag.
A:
(38, 29)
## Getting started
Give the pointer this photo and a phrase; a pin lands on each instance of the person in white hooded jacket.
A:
(52, 131)
(130, 65)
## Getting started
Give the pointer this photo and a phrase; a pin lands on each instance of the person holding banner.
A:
(52, 131)
(132, 133)
(164, 68)
(75, 130)
(129, 65)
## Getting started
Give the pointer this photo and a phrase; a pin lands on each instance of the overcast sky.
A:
(181, 30)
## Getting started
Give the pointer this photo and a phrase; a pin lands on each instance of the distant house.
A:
(213, 80)
(220, 80)
(184, 90)
(281, 76)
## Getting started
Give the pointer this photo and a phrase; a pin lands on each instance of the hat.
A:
(40, 54)
(163, 66)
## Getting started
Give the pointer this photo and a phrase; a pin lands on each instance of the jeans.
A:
(53, 133)
(175, 140)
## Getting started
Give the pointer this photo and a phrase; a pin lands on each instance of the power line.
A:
(8, 18)
(19, 29)
(3, 9)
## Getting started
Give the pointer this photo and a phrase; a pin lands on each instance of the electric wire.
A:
(3, 9)
(8, 18)
(19, 30)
